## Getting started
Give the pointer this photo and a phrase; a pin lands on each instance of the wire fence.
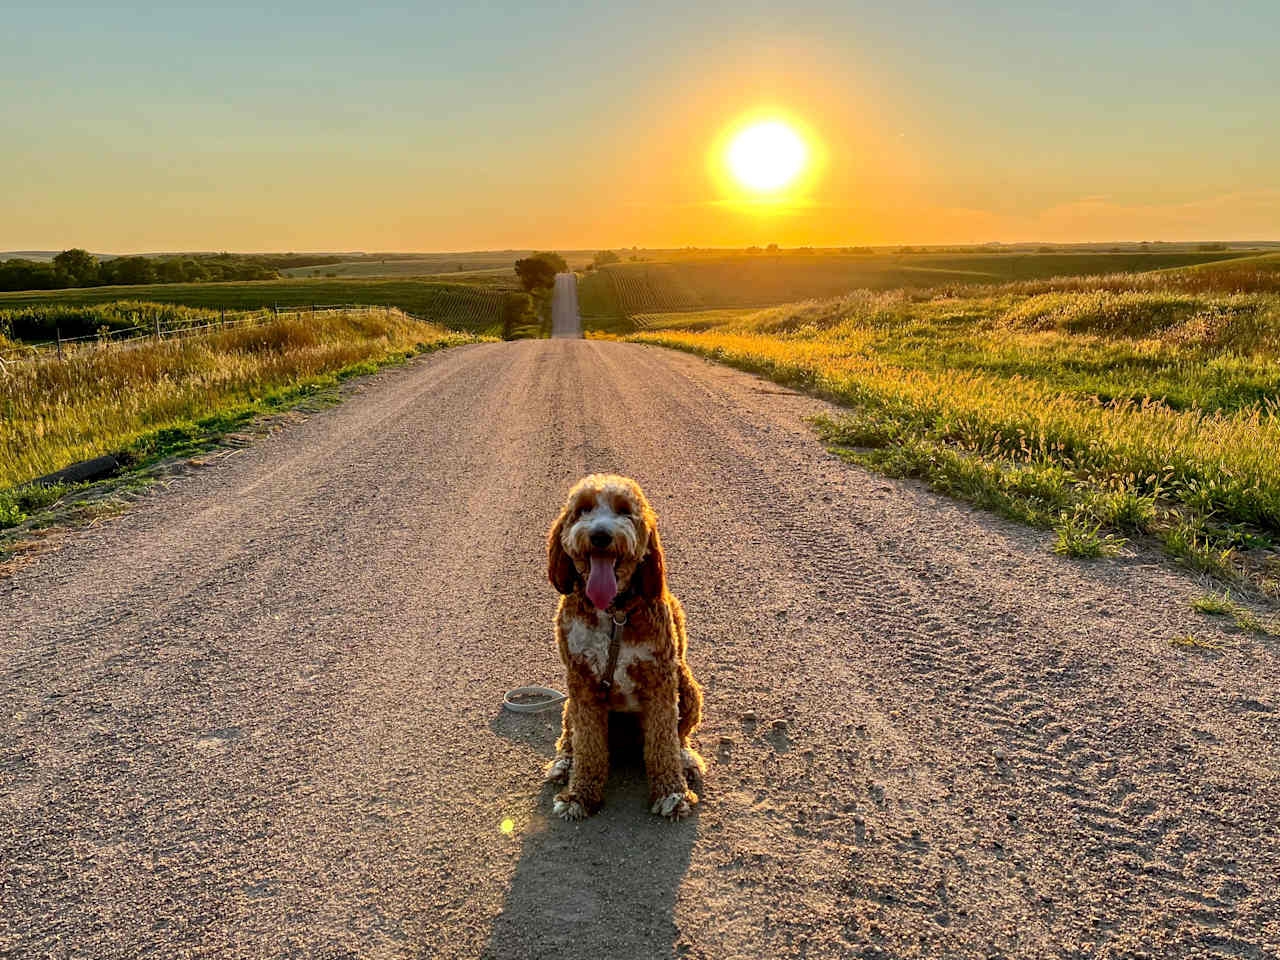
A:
(64, 347)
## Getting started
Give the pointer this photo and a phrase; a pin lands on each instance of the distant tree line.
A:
(79, 268)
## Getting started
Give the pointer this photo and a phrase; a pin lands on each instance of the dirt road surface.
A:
(258, 714)
(565, 320)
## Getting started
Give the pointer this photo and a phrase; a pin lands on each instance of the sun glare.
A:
(766, 156)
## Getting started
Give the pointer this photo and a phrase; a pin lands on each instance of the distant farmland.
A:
(492, 266)
(473, 308)
(624, 290)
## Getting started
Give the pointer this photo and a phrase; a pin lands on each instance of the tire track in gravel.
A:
(256, 714)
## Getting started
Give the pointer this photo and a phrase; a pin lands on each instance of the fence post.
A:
(157, 326)
(224, 316)
(59, 329)
(275, 307)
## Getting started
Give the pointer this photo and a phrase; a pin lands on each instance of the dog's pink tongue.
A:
(602, 585)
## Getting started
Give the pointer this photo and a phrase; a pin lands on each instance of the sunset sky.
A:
(325, 126)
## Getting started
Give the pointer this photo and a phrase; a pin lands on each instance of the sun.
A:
(766, 156)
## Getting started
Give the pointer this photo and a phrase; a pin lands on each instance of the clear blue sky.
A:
(326, 126)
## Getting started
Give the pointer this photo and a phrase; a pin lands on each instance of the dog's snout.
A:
(601, 539)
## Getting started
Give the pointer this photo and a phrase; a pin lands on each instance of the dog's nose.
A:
(600, 539)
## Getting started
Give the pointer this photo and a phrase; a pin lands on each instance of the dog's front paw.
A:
(568, 807)
(558, 770)
(674, 806)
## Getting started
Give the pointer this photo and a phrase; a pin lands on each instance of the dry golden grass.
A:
(102, 399)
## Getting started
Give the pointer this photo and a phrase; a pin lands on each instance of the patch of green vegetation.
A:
(19, 504)
(598, 300)
(1079, 535)
(1190, 541)
(1222, 605)
(1189, 641)
(1213, 604)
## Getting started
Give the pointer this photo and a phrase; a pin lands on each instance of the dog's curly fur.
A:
(651, 679)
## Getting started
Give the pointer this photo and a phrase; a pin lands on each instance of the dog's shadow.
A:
(605, 886)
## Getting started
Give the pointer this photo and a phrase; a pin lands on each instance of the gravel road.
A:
(258, 714)
(565, 321)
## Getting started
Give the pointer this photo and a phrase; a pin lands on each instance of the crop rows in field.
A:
(650, 287)
(467, 309)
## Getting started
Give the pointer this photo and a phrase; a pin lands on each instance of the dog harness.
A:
(618, 617)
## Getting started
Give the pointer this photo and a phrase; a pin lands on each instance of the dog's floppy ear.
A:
(650, 577)
(560, 569)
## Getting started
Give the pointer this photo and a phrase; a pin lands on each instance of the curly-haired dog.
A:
(622, 638)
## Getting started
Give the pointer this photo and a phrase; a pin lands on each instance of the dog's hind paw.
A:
(694, 766)
(569, 809)
(558, 769)
(674, 806)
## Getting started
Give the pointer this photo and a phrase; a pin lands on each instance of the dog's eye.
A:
(625, 509)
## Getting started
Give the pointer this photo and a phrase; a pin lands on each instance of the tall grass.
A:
(475, 307)
(1149, 410)
(102, 399)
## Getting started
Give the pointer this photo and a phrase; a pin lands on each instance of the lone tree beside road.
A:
(539, 269)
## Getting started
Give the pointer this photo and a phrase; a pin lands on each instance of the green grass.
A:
(145, 398)
(1079, 534)
(472, 308)
(1101, 414)
(1222, 605)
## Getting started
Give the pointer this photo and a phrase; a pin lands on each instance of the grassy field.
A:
(472, 308)
(628, 289)
(1101, 412)
(141, 396)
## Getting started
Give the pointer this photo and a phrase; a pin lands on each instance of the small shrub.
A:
(10, 514)
(1213, 604)
(1187, 540)
(1124, 509)
(1077, 537)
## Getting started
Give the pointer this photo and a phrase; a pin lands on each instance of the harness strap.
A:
(619, 614)
(615, 646)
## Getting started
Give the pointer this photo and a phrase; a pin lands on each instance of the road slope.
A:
(258, 714)
(565, 319)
